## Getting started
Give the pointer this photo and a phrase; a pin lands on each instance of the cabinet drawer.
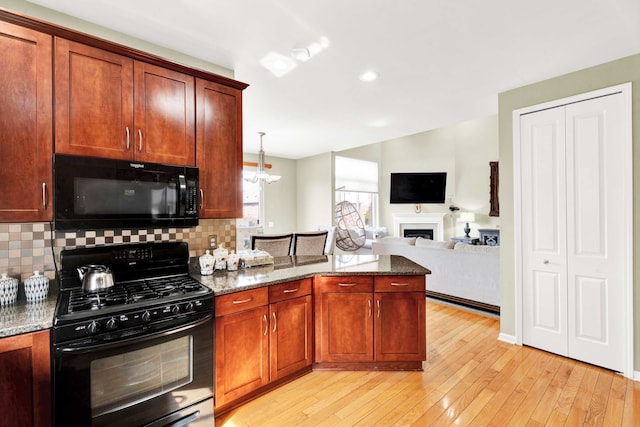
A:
(400, 283)
(240, 301)
(289, 290)
(344, 283)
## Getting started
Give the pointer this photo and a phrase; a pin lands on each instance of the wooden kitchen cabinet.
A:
(365, 322)
(263, 337)
(241, 344)
(25, 380)
(344, 319)
(291, 328)
(26, 137)
(219, 149)
(400, 329)
(109, 105)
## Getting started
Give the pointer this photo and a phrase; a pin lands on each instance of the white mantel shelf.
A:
(427, 220)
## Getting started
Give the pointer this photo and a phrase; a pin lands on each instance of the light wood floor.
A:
(470, 378)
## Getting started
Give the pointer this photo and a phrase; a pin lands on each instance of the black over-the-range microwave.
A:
(95, 193)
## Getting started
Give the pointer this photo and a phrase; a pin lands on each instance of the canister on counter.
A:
(8, 289)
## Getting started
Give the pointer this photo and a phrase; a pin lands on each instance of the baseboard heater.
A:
(495, 309)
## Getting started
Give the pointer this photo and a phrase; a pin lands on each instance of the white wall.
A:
(315, 192)
(463, 151)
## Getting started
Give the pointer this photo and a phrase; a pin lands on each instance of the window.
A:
(356, 181)
(252, 214)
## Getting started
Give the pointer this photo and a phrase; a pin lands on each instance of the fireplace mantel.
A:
(427, 220)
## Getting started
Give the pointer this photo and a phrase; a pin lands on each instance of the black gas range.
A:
(139, 352)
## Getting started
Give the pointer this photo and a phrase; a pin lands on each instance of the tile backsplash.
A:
(26, 247)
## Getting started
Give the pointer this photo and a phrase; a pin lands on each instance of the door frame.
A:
(626, 212)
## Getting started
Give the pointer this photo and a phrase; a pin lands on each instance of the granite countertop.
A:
(22, 317)
(286, 269)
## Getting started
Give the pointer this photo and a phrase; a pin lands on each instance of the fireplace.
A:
(427, 223)
(425, 233)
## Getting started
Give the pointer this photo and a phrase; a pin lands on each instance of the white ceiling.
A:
(440, 61)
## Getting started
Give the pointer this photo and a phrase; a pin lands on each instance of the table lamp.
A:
(467, 217)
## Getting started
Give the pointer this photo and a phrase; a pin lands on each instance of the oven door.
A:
(149, 379)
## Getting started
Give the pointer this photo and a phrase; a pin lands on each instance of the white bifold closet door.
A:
(572, 239)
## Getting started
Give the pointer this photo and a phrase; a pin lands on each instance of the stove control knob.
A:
(175, 309)
(189, 306)
(146, 316)
(112, 324)
(93, 327)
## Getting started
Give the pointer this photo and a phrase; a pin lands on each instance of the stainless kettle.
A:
(95, 277)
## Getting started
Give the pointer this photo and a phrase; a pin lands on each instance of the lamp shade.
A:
(467, 217)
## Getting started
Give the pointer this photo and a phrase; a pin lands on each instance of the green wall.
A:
(601, 76)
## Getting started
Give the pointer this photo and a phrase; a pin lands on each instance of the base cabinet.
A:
(365, 322)
(25, 380)
(263, 337)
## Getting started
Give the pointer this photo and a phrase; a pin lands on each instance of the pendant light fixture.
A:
(261, 174)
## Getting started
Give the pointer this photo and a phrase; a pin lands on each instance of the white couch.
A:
(461, 273)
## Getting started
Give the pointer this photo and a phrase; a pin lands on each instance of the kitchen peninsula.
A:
(277, 322)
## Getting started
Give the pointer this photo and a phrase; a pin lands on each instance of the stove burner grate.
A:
(129, 292)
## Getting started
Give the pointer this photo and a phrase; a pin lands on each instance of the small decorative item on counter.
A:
(233, 261)
(221, 255)
(36, 287)
(252, 258)
(207, 263)
(8, 289)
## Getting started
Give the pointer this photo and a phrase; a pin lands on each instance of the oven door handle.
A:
(68, 348)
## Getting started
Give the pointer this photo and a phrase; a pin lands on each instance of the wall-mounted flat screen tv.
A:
(419, 187)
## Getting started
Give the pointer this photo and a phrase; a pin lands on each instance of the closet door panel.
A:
(595, 132)
(544, 224)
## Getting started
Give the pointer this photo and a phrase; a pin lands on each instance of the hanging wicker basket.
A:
(350, 228)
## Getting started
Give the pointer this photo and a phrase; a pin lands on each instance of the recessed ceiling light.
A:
(368, 76)
(278, 64)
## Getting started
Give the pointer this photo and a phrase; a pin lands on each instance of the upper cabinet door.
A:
(164, 115)
(25, 124)
(219, 148)
(93, 101)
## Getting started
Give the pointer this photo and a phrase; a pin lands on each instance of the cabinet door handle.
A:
(399, 284)
(242, 301)
(266, 324)
(128, 137)
(347, 285)
(140, 142)
(378, 303)
(201, 198)
(288, 291)
(369, 302)
(44, 196)
(275, 322)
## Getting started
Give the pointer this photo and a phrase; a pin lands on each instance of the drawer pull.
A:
(347, 285)
(378, 302)
(399, 284)
(243, 301)
(289, 291)
(128, 137)
(266, 324)
(140, 143)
